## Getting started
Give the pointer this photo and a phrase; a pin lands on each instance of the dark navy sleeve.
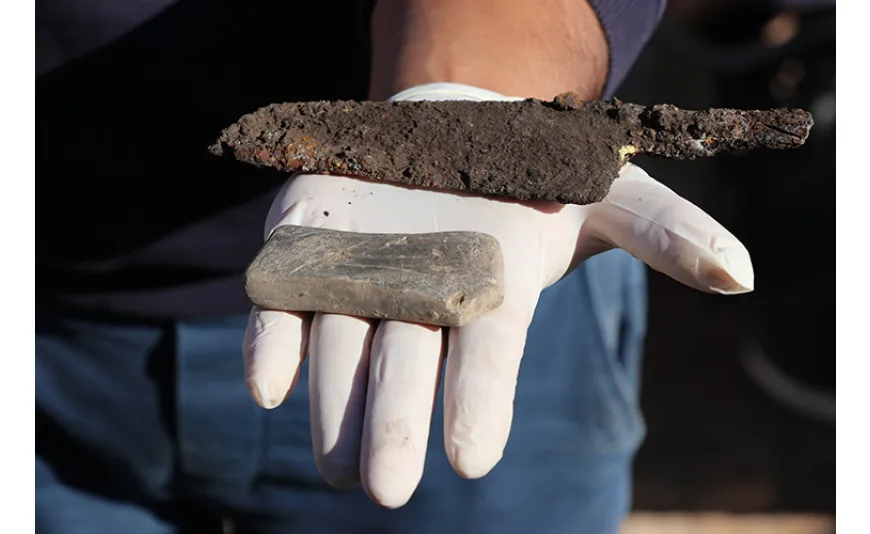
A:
(628, 25)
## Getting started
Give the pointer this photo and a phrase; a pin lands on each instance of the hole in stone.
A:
(458, 299)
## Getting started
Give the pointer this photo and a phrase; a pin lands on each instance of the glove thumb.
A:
(670, 234)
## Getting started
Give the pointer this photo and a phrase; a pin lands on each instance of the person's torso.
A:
(129, 95)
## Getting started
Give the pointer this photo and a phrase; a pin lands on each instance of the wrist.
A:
(524, 48)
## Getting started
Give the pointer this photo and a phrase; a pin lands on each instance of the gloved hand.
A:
(372, 386)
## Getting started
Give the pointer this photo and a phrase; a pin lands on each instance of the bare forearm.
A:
(526, 48)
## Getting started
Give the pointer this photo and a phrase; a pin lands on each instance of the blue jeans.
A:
(146, 427)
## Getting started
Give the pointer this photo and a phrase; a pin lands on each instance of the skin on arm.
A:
(524, 48)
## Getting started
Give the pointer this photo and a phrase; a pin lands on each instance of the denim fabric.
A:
(147, 428)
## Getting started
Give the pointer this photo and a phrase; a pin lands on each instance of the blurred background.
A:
(739, 392)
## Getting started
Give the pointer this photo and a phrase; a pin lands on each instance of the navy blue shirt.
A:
(133, 215)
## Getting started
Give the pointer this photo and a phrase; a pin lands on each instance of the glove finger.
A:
(403, 380)
(673, 236)
(273, 350)
(337, 376)
(480, 379)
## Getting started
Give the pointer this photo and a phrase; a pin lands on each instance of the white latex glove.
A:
(372, 386)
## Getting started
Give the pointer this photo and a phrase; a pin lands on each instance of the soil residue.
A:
(565, 151)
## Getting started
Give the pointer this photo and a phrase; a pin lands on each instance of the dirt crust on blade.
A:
(566, 151)
(525, 151)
